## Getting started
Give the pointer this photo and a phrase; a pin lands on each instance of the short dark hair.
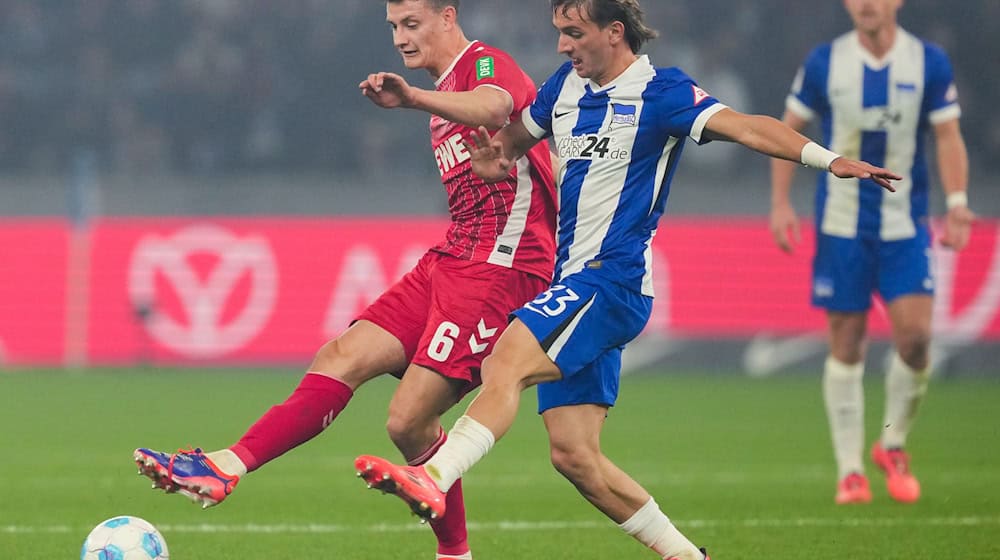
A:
(605, 12)
(438, 5)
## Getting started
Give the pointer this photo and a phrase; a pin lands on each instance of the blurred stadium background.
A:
(230, 137)
(198, 184)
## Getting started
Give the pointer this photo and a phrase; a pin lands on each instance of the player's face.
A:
(584, 42)
(871, 16)
(416, 28)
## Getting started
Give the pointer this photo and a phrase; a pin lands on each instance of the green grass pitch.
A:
(743, 466)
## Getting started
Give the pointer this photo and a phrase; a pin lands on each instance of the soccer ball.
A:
(124, 538)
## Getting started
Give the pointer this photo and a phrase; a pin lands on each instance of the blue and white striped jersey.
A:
(878, 111)
(619, 146)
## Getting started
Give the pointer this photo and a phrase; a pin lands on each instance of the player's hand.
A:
(785, 227)
(957, 228)
(487, 160)
(846, 168)
(387, 90)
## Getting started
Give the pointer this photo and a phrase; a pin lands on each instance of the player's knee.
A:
(575, 464)
(333, 360)
(399, 427)
(410, 432)
(913, 345)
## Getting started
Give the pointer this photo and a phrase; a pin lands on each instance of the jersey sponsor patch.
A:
(451, 153)
(624, 115)
(485, 68)
(699, 94)
(592, 147)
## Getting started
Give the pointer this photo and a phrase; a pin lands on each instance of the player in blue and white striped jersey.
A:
(876, 91)
(619, 124)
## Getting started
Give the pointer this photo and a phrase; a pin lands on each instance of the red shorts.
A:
(448, 312)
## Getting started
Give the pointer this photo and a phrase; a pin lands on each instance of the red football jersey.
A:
(510, 223)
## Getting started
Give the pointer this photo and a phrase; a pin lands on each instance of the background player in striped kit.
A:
(619, 125)
(435, 325)
(876, 91)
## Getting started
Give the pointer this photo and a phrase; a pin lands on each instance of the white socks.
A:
(653, 528)
(904, 389)
(845, 409)
(228, 461)
(466, 556)
(468, 442)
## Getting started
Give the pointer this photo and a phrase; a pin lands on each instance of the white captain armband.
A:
(818, 157)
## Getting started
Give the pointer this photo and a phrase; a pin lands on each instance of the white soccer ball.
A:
(124, 538)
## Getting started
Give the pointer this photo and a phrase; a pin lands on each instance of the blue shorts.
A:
(583, 323)
(846, 272)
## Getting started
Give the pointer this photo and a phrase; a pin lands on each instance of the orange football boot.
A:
(412, 484)
(895, 463)
(853, 489)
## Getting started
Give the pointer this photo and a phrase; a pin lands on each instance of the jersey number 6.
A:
(443, 341)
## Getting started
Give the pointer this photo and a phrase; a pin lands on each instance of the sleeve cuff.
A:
(529, 123)
(698, 127)
(945, 114)
(800, 109)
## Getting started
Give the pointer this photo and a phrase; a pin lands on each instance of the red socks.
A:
(452, 535)
(308, 411)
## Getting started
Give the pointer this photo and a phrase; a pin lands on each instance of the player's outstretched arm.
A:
(484, 106)
(493, 158)
(770, 136)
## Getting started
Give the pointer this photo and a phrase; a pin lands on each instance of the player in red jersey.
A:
(434, 327)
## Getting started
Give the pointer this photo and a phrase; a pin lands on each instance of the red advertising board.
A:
(273, 290)
(34, 281)
(246, 290)
(727, 278)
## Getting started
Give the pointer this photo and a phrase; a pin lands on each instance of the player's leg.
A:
(415, 411)
(844, 276)
(843, 395)
(469, 310)
(574, 439)
(905, 386)
(362, 352)
(906, 283)
(414, 425)
(906, 380)
(380, 341)
(517, 362)
(556, 335)
(468, 313)
(568, 325)
(842, 387)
